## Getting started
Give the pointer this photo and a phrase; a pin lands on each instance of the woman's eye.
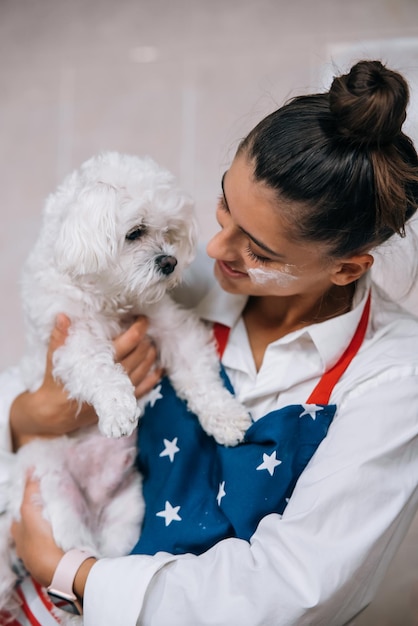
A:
(135, 233)
(222, 204)
(256, 257)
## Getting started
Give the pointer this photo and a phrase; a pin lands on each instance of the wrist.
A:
(81, 576)
(70, 576)
(51, 561)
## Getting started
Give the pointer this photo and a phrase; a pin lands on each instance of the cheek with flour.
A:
(283, 277)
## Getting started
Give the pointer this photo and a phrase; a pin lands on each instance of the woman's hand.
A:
(136, 352)
(48, 412)
(33, 537)
(35, 544)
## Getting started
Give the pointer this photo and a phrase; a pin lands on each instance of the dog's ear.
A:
(87, 238)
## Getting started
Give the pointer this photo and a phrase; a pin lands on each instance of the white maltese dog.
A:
(116, 237)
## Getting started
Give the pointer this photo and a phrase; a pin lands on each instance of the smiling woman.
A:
(257, 255)
(296, 525)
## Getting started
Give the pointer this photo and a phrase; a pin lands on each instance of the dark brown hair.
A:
(342, 160)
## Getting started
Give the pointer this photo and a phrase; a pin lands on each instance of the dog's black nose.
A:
(166, 263)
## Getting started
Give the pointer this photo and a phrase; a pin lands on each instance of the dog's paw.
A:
(118, 417)
(231, 431)
(227, 421)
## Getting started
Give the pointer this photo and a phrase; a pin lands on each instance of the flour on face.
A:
(282, 277)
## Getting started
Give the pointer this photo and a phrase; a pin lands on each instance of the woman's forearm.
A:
(46, 412)
(23, 421)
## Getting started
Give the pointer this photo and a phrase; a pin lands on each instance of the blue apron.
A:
(198, 492)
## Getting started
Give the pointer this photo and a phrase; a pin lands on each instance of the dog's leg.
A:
(86, 366)
(63, 504)
(121, 519)
(188, 353)
(104, 469)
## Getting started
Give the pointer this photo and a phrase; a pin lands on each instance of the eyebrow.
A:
(256, 241)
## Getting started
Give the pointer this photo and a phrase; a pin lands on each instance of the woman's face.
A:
(253, 254)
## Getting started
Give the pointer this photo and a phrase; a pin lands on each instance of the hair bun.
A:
(369, 103)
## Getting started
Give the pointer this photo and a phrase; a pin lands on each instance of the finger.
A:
(141, 358)
(59, 332)
(16, 532)
(142, 367)
(31, 501)
(32, 493)
(149, 382)
(125, 343)
(57, 339)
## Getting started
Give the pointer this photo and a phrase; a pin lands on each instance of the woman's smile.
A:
(229, 271)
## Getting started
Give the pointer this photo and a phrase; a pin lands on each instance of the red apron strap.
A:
(221, 333)
(322, 392)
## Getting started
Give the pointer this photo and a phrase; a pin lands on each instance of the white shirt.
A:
(323, 560)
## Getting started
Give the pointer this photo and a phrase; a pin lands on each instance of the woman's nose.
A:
(222, 244)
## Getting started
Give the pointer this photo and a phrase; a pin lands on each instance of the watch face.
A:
(64, 604)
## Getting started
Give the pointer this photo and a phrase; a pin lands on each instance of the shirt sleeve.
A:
(320, 563)
(11, 385)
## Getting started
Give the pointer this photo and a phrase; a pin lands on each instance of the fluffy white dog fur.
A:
(116, 237)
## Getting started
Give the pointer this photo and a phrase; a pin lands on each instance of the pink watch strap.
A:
(63, 579)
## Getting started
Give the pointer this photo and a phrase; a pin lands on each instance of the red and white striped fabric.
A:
(37, 609)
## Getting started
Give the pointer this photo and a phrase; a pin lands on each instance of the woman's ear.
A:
(348, 270)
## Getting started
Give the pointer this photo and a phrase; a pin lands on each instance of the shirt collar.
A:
(220, 306)
(330, 338)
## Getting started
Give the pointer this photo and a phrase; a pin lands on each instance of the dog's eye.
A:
(135, 233)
